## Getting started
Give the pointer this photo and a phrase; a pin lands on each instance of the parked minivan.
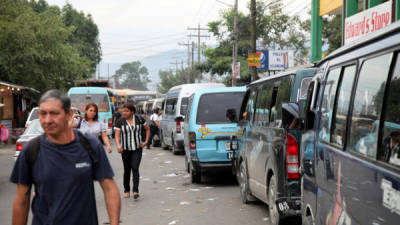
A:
(267, 162)
(350, 156)
(175, 107)
(207, 130)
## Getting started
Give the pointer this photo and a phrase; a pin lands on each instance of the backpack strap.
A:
(86, 145)
(33, 150)
(32, 153)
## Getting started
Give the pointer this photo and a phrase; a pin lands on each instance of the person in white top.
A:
(154, 125)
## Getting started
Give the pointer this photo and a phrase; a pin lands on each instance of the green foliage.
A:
(275, 30)
(35, 50)
(331, 31)
(84, 34)
(134, 76)
(169, 80)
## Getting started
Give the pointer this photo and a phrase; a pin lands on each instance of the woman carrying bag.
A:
(131, 135)
(90, 124)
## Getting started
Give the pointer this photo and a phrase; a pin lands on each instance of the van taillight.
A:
(20, 146)
(110, 123)
(178, 127)
(292, 157)
(192, 140)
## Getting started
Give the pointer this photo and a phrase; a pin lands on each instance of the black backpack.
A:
(34, 148)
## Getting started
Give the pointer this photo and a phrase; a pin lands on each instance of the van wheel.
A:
(245, 195)
(187, 164)
(175, 149)
(195, 176)
(273, 209)
(163, 145)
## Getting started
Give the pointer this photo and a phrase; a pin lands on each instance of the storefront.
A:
(18, 101)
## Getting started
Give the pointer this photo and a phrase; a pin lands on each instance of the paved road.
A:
(167, 196)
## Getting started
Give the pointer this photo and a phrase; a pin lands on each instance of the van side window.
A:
(282, 95)
(368, 104)
(262, 105)
(305, 82)
(170, 106)
(389, 150)
(250, 106)
(184, 105)
(328, 101)
(339, 122)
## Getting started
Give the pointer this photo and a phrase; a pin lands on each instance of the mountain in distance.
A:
(153, 63)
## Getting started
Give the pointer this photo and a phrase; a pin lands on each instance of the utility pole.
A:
(188, 60)
(253, 37)
(192, 70)
(199, 29)
(108, 69)
(235, 44)
(176, 66)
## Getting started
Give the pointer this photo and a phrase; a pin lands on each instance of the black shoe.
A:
(135, 195)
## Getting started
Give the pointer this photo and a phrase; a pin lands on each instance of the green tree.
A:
(331, 31)
(275, 30)
(35, 50)
(169, 79)
(84, 34)
(133, 76)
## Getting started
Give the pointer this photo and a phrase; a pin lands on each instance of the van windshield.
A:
(212, 107)
(81, 100)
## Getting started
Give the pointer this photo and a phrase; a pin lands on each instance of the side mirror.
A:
(290, 115)
(178, 119)
(231, 115)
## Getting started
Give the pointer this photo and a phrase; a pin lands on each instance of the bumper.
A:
(212, 166)
(289, 206)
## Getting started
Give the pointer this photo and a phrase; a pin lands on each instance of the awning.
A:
(18, 87)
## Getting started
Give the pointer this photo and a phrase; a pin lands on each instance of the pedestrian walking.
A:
(62, 165)
(90, 124)
(131, 135)
(154, 125)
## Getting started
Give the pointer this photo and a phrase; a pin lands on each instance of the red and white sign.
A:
(367, 21)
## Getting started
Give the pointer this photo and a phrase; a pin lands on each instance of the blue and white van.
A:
(176, 102)
(207, 130)
(81, 96)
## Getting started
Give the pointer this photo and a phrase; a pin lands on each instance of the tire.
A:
(274, 216)
(245, 195)
(187, 164)
(175, 149)
(163, 145)
(195, 176)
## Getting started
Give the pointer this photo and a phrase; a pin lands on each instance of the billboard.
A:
(280, 59)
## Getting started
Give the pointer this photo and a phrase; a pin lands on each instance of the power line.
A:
(144, 47)
(198, 11)
(144, 40)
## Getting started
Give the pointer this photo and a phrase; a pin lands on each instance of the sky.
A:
(133, 29)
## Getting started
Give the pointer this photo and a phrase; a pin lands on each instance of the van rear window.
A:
(81, 100)
(212, 107)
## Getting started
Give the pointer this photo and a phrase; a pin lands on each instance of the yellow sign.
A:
(328, 6)
(254, 59)
(204, 131)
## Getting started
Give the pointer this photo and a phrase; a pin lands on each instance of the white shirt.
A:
(155, 117)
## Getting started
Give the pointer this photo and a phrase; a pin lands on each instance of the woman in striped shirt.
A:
(131, 135)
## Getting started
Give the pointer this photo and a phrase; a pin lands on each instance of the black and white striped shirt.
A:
(130, 135)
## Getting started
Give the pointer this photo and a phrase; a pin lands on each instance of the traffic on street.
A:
(284, 113)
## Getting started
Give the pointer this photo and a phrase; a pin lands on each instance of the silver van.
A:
(175, 107)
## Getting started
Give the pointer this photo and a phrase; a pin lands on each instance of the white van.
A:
(175, 107)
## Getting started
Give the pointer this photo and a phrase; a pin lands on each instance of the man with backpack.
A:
(62, 165)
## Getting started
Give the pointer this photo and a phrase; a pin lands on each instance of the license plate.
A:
(228, 146)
